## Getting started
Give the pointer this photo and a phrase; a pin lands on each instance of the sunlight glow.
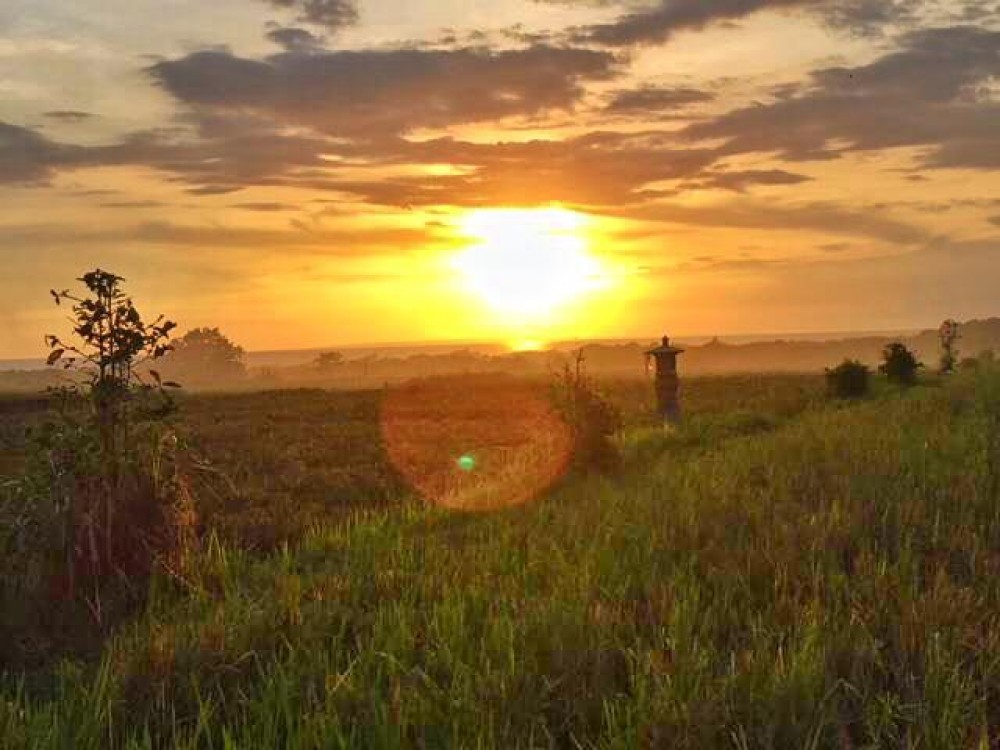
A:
(526, 263)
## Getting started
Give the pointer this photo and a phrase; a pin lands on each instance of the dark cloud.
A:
(267, 206)
(740, 181)
(602, 168)
(362, 93)
(995, 221)
(133, 204)
(656, 24)
(332, 15)
(27, 157)
(294, 39)
(163, 233)
(654, 99)
(924, 94)
(817, 216)
(869, 17)
(69, 115)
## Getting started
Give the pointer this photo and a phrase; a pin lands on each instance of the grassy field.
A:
(782, 572)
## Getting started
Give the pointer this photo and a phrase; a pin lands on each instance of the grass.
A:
(776, 573)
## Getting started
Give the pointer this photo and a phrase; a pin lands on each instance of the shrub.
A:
(899, 364)
(103, 498)
(594, 421)
(849, 379)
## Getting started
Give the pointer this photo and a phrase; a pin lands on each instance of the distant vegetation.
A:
(205, 357)
(849, 379)
(365, 369)
(899, 364)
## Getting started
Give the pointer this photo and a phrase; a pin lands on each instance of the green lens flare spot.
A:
(466, 463)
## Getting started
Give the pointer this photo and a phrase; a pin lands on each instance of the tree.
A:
(205, 355)
(899, 364)
(328, 361)
(849, 379)
(106, 508)
(949, 354)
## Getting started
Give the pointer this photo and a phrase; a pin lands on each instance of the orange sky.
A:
(328, 172)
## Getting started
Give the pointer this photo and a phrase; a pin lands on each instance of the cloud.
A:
(657, 24)
(824, 217)
(370, 92)
(294, 39)
(28, 157)
(648, 100)
(332, 15)
(348, 242)
(134, 204)
(740, 181)
(69, 115)
(597, 169)
(267, 206)
(924, 94)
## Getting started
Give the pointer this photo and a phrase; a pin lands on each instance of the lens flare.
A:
(475, 442)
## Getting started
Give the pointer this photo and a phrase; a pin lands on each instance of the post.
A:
(667, 381)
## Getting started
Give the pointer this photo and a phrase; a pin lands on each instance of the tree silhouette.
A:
(849, 379)
(949, 334)
(899, 364)
(328, 361)
(205, 354)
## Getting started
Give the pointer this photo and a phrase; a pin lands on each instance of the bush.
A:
(849, 379)
(594, 421)
(103, 499)
(899, 364)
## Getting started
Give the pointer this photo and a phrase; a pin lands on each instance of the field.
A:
(781, 571)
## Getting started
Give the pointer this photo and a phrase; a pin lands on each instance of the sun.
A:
(525, 264)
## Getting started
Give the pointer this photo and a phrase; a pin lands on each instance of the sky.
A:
(307, 173)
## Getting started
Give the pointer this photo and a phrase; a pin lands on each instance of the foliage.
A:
(205, 356)
(101, 496)
(849, 379)
(949, 334)
(899, 364)
(594, 421)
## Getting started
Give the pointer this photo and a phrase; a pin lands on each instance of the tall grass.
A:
(825, 580)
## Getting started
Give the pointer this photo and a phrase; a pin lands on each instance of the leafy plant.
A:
(108, 461)
(899, 364)
(849, 379)
(593, 420)
(949, 337)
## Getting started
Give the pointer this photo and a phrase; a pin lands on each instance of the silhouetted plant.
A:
(949, 337)
(849, 379)
(593, 420)
(205, 355)
(109, 455)
(899, 364)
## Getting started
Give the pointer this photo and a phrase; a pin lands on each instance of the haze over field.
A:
(311, 172)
